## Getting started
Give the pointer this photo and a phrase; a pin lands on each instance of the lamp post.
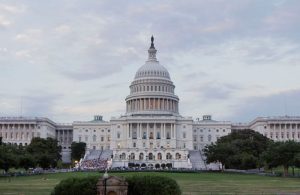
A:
(105, 179)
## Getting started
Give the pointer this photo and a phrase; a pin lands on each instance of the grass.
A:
(190, 183)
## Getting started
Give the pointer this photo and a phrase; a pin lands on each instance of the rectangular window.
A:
(102, 139)
(86, 139)
(118, 145)
(101, 147)
(195, 139)
(108, 138)
(134, 145)
(144, 144)
(80, 139)
(195, 147)
(201, 138)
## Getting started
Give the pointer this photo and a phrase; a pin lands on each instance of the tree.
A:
(219, 152)
(169, 165)
(0, 141)
(44, 149)
(149, 184)
(78, 150)
(45, 160)
(27, 161)
(8, 156)
(59, 164)
(163, 166)
(284, 154)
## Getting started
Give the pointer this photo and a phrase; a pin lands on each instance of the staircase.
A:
(106, 154)
(94, 154)
(211, 166)
(196, 160)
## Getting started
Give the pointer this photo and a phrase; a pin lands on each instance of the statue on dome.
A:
(152, 39)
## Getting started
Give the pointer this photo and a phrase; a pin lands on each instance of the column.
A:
(164, 130)
(297, 132)
(167, 104)
(268, 126)
(284, 132)
(140, 104)
(68, 137)
(274, 133)
(19, 132)
(127, 130)
(154, 134)
(3, 136)
(175, 130)
(63, 136)
(144, 108)
(280, 132)
(291, 132)
(147, 137)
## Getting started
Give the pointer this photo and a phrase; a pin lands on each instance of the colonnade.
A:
(18, 132)
(163, 129)
(143, 104)
(64, 136)
(283, 132)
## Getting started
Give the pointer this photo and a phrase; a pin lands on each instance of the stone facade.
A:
(114, 186)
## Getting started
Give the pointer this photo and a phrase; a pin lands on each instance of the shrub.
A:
(147, 185)
(76, 186)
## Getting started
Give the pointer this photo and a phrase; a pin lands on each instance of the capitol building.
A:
(151, 131)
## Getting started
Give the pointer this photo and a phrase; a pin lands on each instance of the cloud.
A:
(32, 36)
(271, 104)
(3, 49)
(62, 29)
(213, 90)
(22, 53)
(13, 9)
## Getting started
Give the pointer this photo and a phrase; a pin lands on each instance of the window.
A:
(194, 130)
(108, 130)
(144, 144)
(217, 130)
(144, 135)
(158, 135)
(119, 135)
(134, 135)
(168, 145)
(183, 145)
(223, 130)
(102, 130)
(134, 145)
(184, 135)
(195, 147)
(101, 147)
(94, 147)
(108, 138)
(201, 130)
(80, 139)
(118, 145)
(94, 138)
(102, 139)
(195, 139)
(79, 130)
(86, 130)
(94, 130)
(86, 139)
(168, 135)
(209, 137)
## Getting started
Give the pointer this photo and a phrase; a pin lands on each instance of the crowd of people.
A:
(98, 163)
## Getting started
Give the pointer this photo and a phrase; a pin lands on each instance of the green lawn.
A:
(280, 170)
(191, 183)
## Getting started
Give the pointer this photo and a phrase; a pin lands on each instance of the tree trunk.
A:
(222, 168)
(284, 171)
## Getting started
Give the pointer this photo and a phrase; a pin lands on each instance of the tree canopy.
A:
(238, 150)
(77, 150)
(284, 154)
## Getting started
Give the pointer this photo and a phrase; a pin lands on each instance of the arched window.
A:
(150, 156)
(159, 156)
(184, 135)
(94, 138)
(141, 156)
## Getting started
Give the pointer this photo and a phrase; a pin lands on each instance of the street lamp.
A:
(105, 178)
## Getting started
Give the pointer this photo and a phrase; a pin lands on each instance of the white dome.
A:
(152, 69)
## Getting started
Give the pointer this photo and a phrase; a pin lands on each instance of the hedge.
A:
(77, 186)
(149, 184)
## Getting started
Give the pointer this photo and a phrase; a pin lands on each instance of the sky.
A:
(69, 60)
